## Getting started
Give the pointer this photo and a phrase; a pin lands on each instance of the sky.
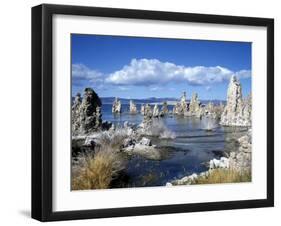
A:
(137, 67)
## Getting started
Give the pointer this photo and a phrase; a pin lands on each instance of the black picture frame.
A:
(42, 111)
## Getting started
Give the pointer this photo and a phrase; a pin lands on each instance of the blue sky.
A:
(131, 67)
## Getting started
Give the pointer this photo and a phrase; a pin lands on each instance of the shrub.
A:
(96, 171)
(224, 176)
(114, 139)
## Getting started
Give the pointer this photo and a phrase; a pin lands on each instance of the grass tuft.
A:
(96, 171)
(224, 176)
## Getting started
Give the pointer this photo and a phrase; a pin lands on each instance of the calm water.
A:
(184, 155)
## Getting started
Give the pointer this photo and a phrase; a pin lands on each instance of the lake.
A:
(188, 153)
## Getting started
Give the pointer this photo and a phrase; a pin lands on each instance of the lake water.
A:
(184, 155)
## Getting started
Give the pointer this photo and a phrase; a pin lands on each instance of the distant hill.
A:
(109, 100)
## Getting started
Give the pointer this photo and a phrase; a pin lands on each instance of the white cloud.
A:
(152, 72)
(124, 88)
(80, 72)
(155, 88)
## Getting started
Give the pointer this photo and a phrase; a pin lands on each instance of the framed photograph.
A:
(145, 112)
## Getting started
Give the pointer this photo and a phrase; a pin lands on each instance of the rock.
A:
(86, 114)
(209, 109)
(184, 181)
(194, 105)
(148, 111)
(164, 109)
(89, 141)
(77, 101)
(194, 108)
(106, 125)
(200, 112)
(128, 142)
(221, 163)
(142, 109)
(133, 108)
(242, 159)
(156, 112)
(147, 118)
(238, 160)
(129, 125)
(181, 107)
(145, 141)
(213, 111)
(148, 152)
(116, 106)
(237, 111)
(75, 113)
(112, 128)
(126, 124)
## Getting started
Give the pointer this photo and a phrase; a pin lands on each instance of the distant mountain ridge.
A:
(109, 100)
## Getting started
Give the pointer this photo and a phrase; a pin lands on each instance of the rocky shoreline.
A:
(239, 161)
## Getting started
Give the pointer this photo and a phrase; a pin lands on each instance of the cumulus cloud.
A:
(152, 71)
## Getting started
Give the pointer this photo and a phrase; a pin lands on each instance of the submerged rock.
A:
(86, 114)
(237, 111)
(116, 106)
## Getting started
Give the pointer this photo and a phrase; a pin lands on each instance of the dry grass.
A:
(96, 171)
(224, 176)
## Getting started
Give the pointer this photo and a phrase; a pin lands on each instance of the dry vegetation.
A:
(96, 171)
(224, 176)
(114, 140)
